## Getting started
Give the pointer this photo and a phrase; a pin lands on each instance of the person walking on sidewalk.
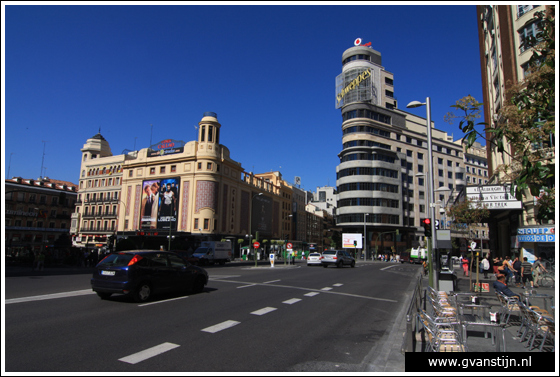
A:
(526, 272)
(485, 266)
(510, 270)
(517, 271)
(465, 264)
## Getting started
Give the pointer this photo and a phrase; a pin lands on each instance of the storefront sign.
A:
(493, 197)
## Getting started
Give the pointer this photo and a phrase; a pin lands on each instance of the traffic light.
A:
(427, 224)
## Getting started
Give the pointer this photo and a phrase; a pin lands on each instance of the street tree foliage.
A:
(525, 129)
(469, 212)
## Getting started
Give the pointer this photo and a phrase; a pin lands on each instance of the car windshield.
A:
(117, 260)
(329, 252)
(314, 254)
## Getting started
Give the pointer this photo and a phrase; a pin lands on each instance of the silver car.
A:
(314, 259)
(337, 258)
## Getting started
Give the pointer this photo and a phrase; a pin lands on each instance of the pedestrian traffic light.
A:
(427, 224)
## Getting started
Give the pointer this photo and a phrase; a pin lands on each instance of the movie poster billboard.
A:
(160, 203)
(261, 216)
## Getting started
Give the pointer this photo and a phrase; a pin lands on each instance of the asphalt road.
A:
(282, 319)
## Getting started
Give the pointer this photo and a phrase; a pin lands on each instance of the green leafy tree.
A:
(525, 129)
(469, 213)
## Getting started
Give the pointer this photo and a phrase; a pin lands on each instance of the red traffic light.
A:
(426, 221)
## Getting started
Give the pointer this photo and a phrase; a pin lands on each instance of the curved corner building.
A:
(381, 175)
(368, 177)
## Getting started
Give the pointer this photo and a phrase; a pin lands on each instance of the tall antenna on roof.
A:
(43, 160)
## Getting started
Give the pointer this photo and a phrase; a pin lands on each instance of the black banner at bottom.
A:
(480, 362)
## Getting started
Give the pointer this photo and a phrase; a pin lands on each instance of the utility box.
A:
(447, 281)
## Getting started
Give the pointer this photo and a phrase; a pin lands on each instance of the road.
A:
(282, 319)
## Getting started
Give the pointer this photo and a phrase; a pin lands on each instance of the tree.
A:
(525, 129)
(469, 212)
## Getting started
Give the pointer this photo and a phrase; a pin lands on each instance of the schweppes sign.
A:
(353, 84)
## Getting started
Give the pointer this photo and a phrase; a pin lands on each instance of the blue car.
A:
(140, 274)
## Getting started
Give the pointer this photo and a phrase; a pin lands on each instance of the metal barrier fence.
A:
(409, 338)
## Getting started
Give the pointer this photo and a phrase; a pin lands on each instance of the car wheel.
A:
(104, 295)
(198, 285)
(353, 264)
(143, 292)
(339, 265)
(325, 265)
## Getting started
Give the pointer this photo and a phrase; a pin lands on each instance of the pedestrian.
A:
(35, 261)
(465, 264)
(496, 265)
(517, 271)
(485, 267)
(294, 258)
(526, 272)
(538, 269)
(41, 261)
(510, 270)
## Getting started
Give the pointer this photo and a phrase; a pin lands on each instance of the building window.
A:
(388, 81)
(522, 9)
(162, 170)
(210, 131)
(130, 173)
(199, 165)
(152, 171)
(206, 224)
(173, 168)
(209, 166)
(202, 131)
(525, 32)
(409, 153)
(195, 224)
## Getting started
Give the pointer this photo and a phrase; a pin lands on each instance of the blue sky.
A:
(268, 71)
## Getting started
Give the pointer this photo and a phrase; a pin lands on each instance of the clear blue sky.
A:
(268, 71)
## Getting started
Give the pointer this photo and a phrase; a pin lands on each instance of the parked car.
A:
(189, 257)
(314, 259)
(140, 274)
(337, 258)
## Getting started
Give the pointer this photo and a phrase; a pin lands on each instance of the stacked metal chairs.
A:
(442, 334)
(534, 324)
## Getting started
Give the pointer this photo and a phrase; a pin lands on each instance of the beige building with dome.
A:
(175, 194)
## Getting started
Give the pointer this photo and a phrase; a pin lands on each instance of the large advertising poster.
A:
(160, 203)
(261, 216)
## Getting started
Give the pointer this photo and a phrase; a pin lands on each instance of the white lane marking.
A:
(218, 277)
(311, 294)
(385, 268)
(291, 301)
(49, 296)
(220, 326)
(263, 311)
(245, 286)
(160, 302)
(338, 285)
(310, 289)
(326, 289)
(272, 281)
(150, 352)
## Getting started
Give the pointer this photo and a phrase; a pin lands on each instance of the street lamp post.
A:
(432, 243)
(365, 237)
(250, 215)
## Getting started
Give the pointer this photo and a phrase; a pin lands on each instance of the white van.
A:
(211, 252)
